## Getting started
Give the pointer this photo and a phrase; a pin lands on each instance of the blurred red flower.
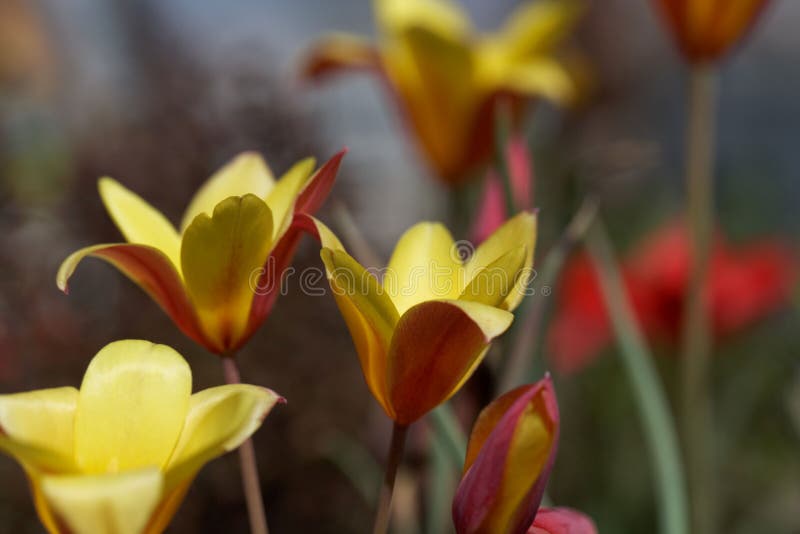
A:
(745, 283)
(705, 30)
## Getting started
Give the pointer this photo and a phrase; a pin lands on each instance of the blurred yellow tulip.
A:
(118, 456)
(218, 277)
(422, 330)
(447, 79)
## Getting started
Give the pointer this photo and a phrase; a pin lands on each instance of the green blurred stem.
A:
(531, 316)
(396, 447)
(651, 401)
(247, 458)
(696, 410)
(447, 428)
(441, 479)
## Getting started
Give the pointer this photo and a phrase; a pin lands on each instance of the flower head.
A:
(510, 454)
(745, 283)
(447, 79)
(217, 276)
(118, 455)
(705, 30)
(423, 328)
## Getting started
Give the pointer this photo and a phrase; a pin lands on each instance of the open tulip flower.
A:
(705, 30)
(422, 330)
(510, 454)
(118, 456)
(219, 275)
(447, 80)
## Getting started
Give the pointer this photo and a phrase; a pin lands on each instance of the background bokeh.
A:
(159, 94)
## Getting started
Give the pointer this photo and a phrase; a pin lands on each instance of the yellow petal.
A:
(441, 16)
(219, 420)
(43, 418)
(326, 236)
(247, 173)
(543, 77)
(283, 196)
(538, 27)
(104, 504)
(425, 265)
(220, 256)
(369, 314)
(138, 221)
(433, 74)
(517, 231)
(339, 52)
(131, 407)
(493, 284)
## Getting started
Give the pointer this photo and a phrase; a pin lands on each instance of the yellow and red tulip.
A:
(705, 30)
(510, 454)
(447, 79)
(119, 455)
(218, 276)
(421, 331)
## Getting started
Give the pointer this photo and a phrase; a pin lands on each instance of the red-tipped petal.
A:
(562, 521)
(149, 268)
(517, 441)
(319, 186)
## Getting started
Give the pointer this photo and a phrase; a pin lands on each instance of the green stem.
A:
(654, 411)
(387, 488)
(247, 457)
(531, 316)
(446, 427)
(696, 409)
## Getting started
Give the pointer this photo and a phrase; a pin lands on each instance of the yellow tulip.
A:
(447, 79)
(118, 456)
(421, 331)
(219, 275)
(705, 30)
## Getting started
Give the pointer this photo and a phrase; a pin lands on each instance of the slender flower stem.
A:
(247, 458)
(524, 338)
(654, 411)
(392, 463)
(695, 360)
(449, 432)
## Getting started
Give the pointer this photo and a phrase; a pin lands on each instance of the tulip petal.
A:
(221, 256)
(436, 347)
(282, 198)
(541, 76)
(424, 266)
(138, 221)
(562, 521)
(36, 428)
(517, 437)
(519, 230)
(132, 406)
(493, 284)
(434, 75)
(43, 418)
(440, 16)
(339, 52)
(369, 314)
(104, 504)
(247, 173)
(317, 189)
(538, 27)
(149, 268)
(218, 421)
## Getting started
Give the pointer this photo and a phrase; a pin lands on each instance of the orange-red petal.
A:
(149, 268)
(435, 347)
